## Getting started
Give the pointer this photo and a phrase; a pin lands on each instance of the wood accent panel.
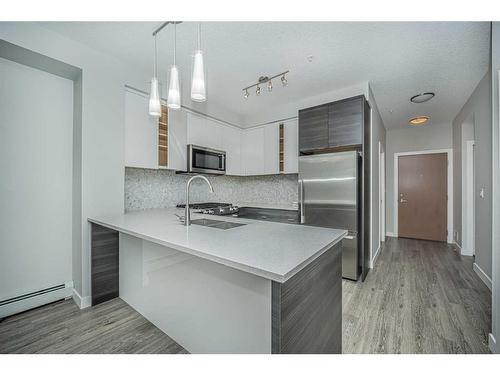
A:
(163, 137)
(104, 264)
(282, 147)
(307, 309)
(423, 196)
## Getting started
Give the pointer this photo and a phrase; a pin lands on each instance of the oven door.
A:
(206, 160)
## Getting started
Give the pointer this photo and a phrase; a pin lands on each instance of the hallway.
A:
(421, 297)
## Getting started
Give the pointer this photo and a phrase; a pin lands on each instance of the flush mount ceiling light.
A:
(422, 98)
(263, 80)
(420, 120)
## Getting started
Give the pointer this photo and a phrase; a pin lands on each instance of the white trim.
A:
(374, 260)
(82, 302)
(449, 153)
(482, 275)
(390, 234)
(468, 209)
(381, 191)
(492, 344)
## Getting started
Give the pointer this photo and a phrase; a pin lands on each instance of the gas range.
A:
(212, 208)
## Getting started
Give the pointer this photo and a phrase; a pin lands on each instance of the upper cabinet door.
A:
(291, 139)
(204, 132)
(345, 123)
(231, 143)
(253, 151)
(271, 149)
(177, 140)
(313, 128)
(141, 133)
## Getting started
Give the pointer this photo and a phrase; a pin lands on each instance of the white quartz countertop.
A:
(271, 250)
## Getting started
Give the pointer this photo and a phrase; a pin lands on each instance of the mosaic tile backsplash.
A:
(146, 188)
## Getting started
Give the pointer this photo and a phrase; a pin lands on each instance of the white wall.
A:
(378, 135)
(427, 137)
(102, 125)
(36, 132)
(478, 105)
(495, 67)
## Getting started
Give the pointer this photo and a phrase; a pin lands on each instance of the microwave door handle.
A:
(301, 201)
(223, 162)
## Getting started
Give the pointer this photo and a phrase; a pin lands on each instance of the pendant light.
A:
(174, 93)
(154, 93)
(198, 92)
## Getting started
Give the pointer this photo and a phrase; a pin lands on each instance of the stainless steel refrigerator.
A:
(330, 196)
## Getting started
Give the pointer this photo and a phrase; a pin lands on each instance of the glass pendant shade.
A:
(174, 94)
(198, 92)
(154, 99)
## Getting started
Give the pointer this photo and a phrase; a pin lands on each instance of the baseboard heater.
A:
(34, 299)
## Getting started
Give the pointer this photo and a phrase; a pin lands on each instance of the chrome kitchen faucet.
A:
(187, 219)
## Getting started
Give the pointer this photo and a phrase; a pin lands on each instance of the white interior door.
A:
(469, 210)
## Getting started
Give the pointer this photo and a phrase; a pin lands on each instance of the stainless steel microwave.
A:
(205, 160)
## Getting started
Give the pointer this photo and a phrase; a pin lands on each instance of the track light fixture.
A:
(263, 80)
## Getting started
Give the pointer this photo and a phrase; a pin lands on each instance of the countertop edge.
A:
(239, 266)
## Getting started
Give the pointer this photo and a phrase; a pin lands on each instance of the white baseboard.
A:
(82, 302)
(374, 259)
(36, 301)
(482, 275)
(390, 234)
(492, 343)
(459, 248)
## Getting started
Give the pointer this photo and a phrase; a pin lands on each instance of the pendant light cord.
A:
(199, 36)
(155, 62)
(175, 42)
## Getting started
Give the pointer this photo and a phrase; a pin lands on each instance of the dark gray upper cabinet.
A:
(331, 125)
(345, 122)
(313, 128)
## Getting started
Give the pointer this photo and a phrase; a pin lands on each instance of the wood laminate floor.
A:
(421, 297)
(61, 327)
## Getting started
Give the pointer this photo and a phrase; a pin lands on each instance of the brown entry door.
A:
(423, 197)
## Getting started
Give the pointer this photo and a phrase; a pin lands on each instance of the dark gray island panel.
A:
(104, 264)
(307, 309)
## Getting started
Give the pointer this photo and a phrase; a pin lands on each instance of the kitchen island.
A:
(260, 287)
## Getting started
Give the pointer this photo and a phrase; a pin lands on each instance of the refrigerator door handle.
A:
(301, 200)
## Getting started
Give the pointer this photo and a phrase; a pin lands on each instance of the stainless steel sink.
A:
(219, 224)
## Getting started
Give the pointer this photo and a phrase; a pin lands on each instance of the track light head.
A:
(257, 91)
(284, 81)
(270, 86)
(246, 94)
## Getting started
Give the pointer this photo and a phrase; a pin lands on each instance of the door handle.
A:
(402, 200)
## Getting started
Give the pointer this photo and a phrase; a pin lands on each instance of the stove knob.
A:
(210, 212)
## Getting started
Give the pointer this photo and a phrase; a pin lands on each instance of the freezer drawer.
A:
(350, 269)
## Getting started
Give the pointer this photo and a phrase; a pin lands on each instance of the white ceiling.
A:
(398, 59)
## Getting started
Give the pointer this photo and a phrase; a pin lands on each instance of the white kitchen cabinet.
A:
(141, 133)
(177, 140)
(253, 158)
(271, 149)
(204, 132)
(231, 143)
(291, 138)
